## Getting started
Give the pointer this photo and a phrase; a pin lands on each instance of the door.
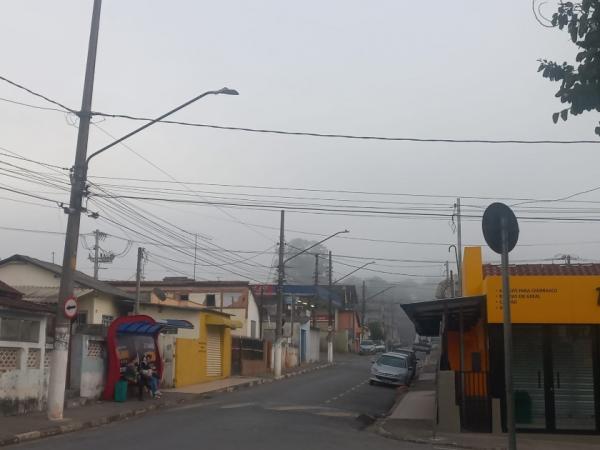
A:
(213, 352)
(573, 378)
(528, 377)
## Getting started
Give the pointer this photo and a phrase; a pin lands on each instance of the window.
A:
(81, 318)
(232, 299)
(13, 329)
(253, 328)
(392, 361)
(210, 300)
(184, 296)
(107, 320)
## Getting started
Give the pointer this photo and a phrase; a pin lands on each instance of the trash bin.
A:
(523, 407)
(121, 391)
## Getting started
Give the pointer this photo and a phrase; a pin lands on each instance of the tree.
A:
(579, 87)
(376, 331)
(301, 270)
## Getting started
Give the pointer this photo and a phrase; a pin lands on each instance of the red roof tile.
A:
(544, 270)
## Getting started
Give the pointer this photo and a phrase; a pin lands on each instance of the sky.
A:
(457, 70)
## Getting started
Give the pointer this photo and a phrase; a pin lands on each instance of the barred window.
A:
(14, 329)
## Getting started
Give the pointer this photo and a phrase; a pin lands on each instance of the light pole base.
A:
(58, 377)
(330, 351)
(277, 356)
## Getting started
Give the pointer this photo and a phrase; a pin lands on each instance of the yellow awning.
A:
(217, 319)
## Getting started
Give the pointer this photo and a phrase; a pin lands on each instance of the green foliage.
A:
(376, 331)
(579, 86)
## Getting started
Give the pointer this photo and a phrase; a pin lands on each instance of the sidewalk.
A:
(411, 419)
(15, 429)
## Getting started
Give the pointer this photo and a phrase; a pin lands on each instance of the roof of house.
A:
(47, 294)
(181, 282)
(23, 305)
(80, 278)
(543, 270)
(9, 291)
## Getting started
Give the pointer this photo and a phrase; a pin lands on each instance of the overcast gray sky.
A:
(462, 69)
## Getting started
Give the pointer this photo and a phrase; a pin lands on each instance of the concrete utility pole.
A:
(277, 363)
(459, 245)
(138, 279)
(363, 312)
(314, 319)
(330, 318)
(96, 250)
(60, 355)
(195, 253)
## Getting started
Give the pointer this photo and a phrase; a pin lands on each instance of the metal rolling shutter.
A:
(213, 352)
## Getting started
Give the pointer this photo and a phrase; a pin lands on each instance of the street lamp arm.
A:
(380, 292)
(354, 271)
(450, 247)
(314, 245)
(225, 91)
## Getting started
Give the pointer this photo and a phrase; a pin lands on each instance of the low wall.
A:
(254, 363)
(313, 352)
(88, 365)
(24, 371)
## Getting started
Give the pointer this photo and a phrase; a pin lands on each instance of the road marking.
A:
(238, 405)
(336, 414)
(192, 406)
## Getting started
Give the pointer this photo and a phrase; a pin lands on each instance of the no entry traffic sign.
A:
(71, 307)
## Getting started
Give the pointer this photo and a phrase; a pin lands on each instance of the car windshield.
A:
(366, 343)
(393, 361)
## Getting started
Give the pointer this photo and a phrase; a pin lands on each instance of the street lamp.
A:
(56, 389)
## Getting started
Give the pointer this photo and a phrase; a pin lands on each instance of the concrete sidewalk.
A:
(412, 420)
(16, 429)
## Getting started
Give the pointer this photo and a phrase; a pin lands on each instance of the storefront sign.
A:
(546, 299)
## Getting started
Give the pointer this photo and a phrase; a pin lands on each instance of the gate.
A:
(236, 356)
(472, 396)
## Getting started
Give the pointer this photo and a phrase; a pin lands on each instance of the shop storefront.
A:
(556, 345)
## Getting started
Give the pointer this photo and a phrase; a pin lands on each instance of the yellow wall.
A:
(546, 299)
(472, 275)
(475, 341)
(190, 354)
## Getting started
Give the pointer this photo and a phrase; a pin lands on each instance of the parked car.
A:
(367, 347)
(380, 346)
(390, 368)
(412, 359)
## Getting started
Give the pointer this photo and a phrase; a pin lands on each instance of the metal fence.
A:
(245, 349)
(472, 396)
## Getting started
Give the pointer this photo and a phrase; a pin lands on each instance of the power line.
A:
(37, 94)
(160, 169)
(350, 136)
(29, 105)
(331, 210)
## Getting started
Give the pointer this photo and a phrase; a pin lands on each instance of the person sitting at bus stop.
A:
(146, 378)
(155, 380)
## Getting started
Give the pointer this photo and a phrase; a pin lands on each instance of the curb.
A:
(98, 422)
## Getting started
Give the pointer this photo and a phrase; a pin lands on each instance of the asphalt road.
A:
(317, 410)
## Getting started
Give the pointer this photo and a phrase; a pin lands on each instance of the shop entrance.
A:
(553, 377)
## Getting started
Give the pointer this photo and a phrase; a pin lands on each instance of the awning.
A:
(222, 320)
(427, 316)
(146, 327)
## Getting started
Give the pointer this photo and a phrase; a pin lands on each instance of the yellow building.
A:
(555, 312)
(207, 357)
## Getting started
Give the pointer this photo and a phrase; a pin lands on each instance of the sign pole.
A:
(510, 401)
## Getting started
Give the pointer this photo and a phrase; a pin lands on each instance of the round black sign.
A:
(492, 223)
